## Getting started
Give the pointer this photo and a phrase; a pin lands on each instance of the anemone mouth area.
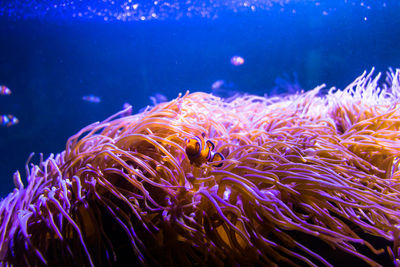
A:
(306, 179)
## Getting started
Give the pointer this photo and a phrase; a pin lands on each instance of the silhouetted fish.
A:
(91, 98)
(158, 98)
(8, 120)
(4, 90)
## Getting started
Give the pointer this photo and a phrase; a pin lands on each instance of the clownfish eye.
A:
(197, 145)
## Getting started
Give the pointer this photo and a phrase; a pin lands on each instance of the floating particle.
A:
(128, 10)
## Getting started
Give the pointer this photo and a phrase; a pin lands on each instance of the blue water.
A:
(50, 60)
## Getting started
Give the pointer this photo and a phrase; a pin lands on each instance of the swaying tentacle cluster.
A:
(298, 171)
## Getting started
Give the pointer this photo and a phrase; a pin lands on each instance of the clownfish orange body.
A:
(201, 151)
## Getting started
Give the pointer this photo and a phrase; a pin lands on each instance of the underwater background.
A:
(53, 53)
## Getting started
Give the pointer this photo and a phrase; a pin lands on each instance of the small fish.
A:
(201, 151)
(237, 60)
(8, 120)
(223, 89)
(158, 98)
(91, 98)
(217, 84)
(286, 85)
(4, 90)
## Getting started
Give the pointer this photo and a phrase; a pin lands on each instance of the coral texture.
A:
(303, 175)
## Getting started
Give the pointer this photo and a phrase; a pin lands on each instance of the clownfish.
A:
(8, 120)
(4, 90)
(201, 151)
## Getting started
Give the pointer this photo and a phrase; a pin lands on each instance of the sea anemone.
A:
(305, 177)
